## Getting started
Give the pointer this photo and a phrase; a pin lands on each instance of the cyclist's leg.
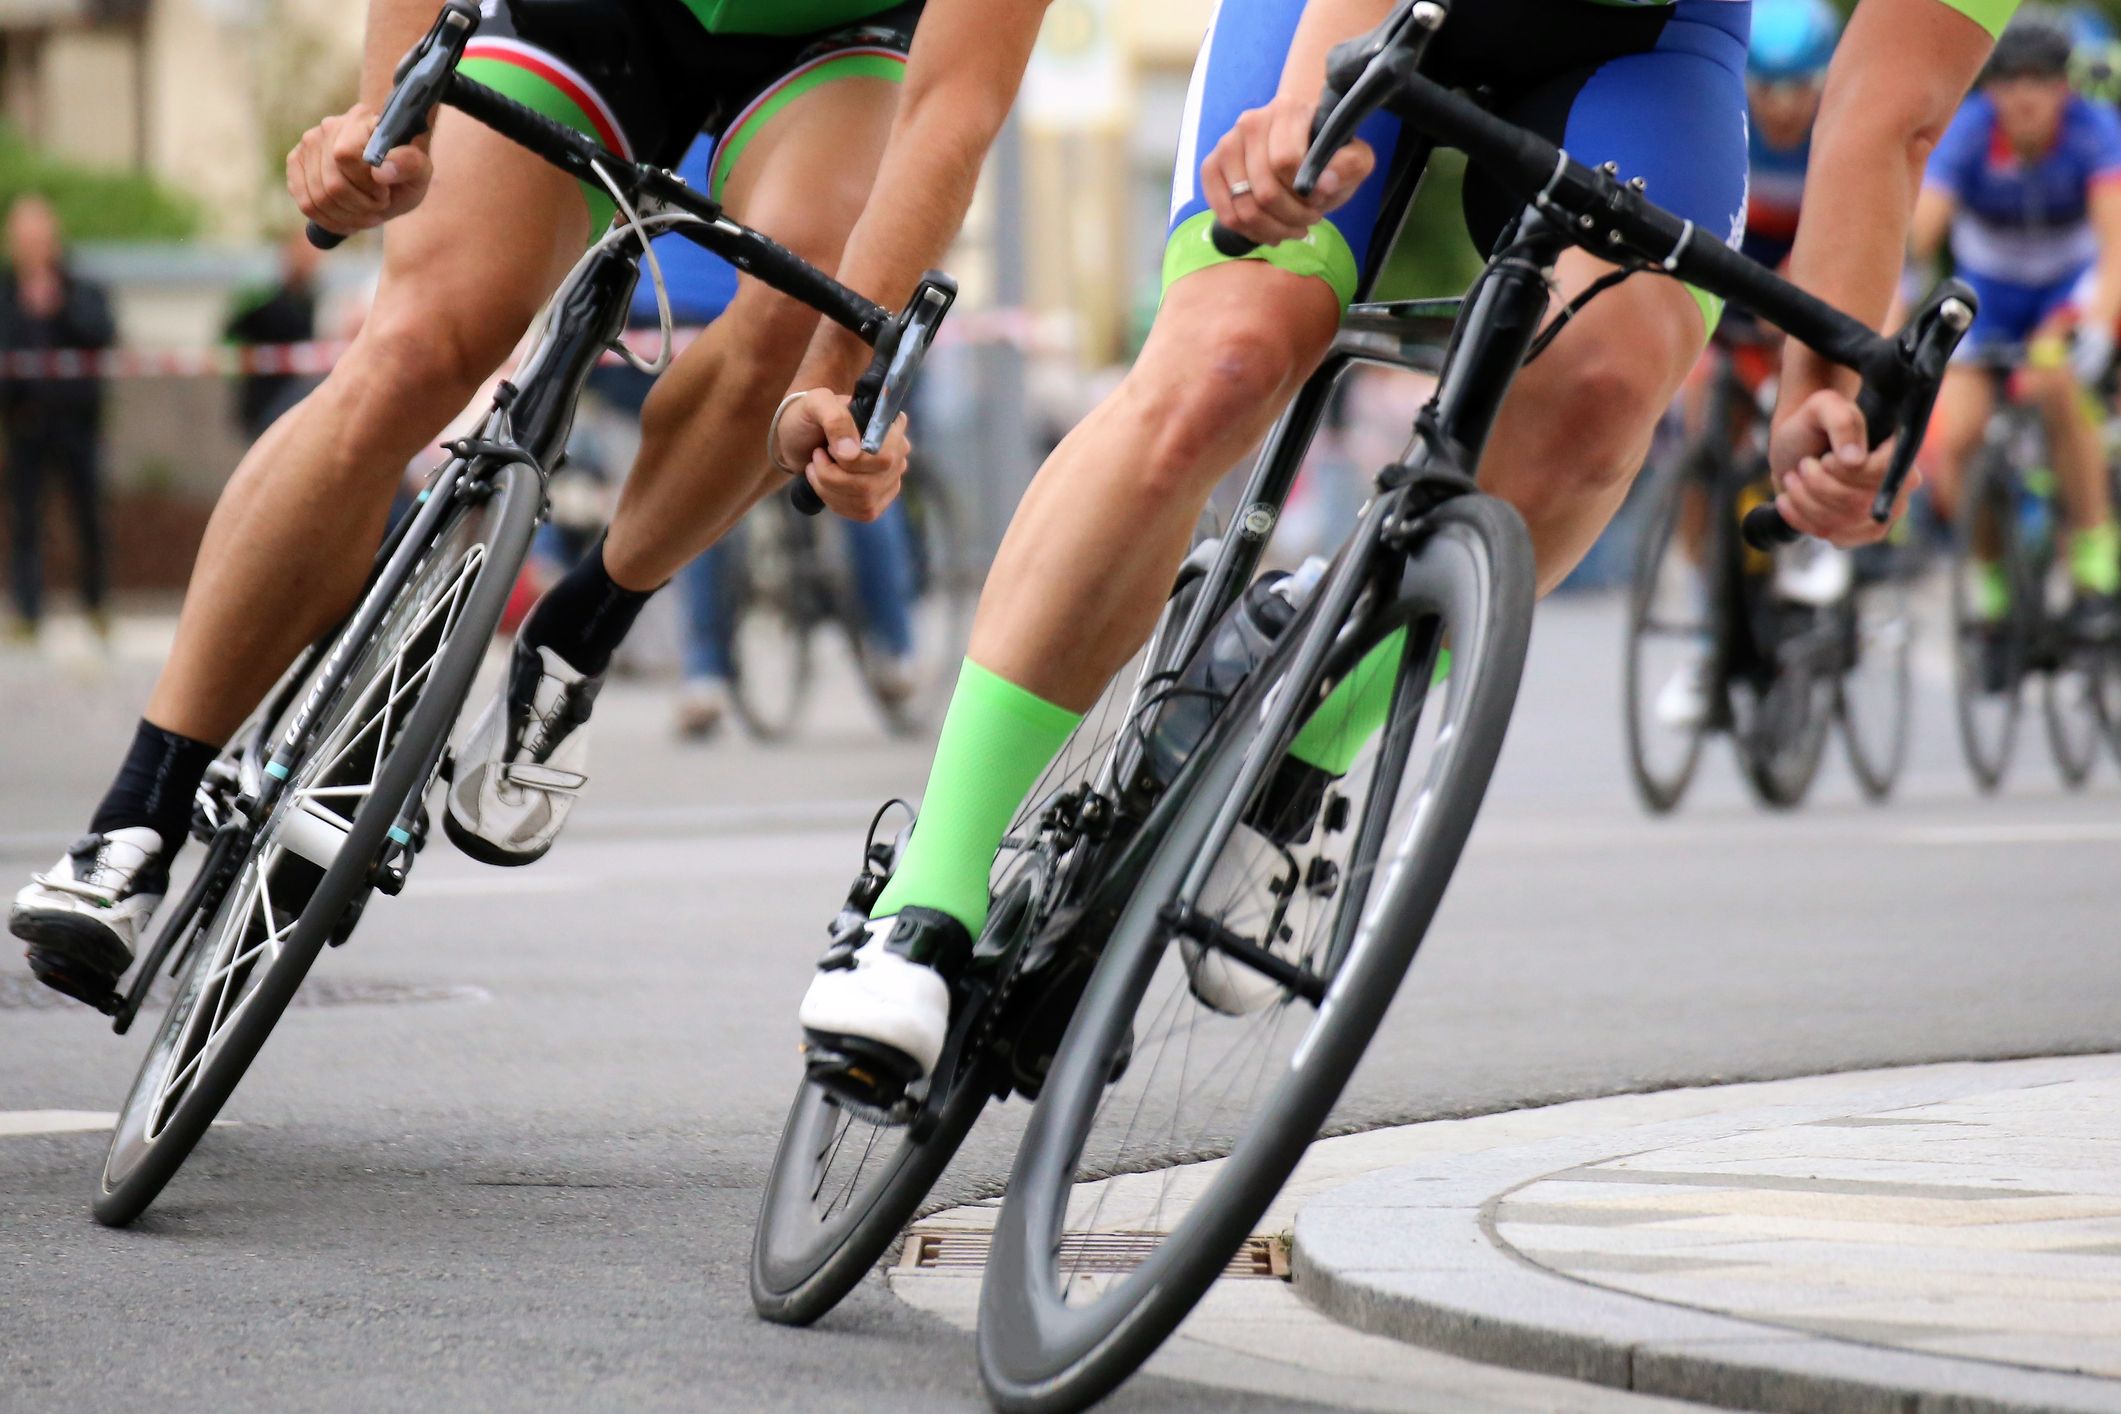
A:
(301, 517)
(803, 177)
(1087, 562)
(1964, 405)
(2080, 457)
(1070, 597)
(292, 537)
(797, 165)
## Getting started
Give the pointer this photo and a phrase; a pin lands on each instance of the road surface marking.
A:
(17, 1122)
(2090, 832)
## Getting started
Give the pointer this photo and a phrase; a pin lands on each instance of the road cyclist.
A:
(1226, 883)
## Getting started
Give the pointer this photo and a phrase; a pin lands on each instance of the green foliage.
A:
(94, 203)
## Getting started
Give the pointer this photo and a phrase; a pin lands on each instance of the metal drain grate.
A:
(21, 992)
(1085, 1253)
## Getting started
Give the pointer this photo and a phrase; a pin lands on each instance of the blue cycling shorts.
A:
(2012, 313)
(1659, 90)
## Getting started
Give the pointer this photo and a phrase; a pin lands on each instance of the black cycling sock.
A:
(154, 787)
(586, 616)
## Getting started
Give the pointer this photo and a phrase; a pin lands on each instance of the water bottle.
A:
(1239, 641)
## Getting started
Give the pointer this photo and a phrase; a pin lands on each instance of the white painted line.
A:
(2099, 832)
(18, 1122)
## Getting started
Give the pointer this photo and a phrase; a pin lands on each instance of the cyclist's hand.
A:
(1824, 475)
(335, 186)
(817, 432)
(1265, 149)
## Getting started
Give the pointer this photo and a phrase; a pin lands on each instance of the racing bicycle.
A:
(1176, 828)
(319, 802)
(2011, 605)
(783, 584)
(1775, 671)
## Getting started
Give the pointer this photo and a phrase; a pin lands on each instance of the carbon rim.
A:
(250, 936)
(1056, 1334)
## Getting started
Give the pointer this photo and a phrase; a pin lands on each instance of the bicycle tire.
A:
(1472, 575)
(2082, 683)
(794, 1282)
(140, 1163)
(804, 1261)
(1782, 739)
(1661, 790)
(1877, 757)
(767, 587)
(1988, 656)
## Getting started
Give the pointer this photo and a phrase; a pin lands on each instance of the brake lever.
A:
(1361, 75)
(1922, 353)
(881, 392)
(417, 86)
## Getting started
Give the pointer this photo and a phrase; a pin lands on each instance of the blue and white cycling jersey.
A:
(1774, 196)
(2019, 222)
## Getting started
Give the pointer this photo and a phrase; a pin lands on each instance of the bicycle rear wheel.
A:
(1989, 640)
(303, 876)
(1672, 631)
(1088, 1274)
(1781, 734)
(2082, 685)
(770, 593)
(845, 1182)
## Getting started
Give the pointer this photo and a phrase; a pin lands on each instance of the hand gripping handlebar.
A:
(421, 80)
(1381, 70)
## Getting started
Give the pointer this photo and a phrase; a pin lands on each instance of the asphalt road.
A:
(530, 1183)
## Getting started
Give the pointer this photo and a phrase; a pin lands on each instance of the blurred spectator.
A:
(284, 312)
(52, 425)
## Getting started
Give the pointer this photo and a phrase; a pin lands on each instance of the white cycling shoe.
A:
(1249, 892)
(83, 918)
(878, 1012)
(525, 763)
(1683, 701)
(1813, 572)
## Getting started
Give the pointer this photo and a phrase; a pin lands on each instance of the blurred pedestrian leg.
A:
(703, 694)
(882, 552)
(40, 460)
(53, 425)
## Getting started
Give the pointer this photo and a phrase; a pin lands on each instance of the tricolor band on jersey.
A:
(648, 77)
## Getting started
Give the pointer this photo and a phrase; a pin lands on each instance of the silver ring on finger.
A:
(1240, 187)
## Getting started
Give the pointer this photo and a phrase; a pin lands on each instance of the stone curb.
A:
(1434, 1274)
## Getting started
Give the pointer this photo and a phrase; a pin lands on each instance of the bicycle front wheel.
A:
(1672, 639)
(1873, 698)
(302, 877)
(1991, 617)
(1180, 1050)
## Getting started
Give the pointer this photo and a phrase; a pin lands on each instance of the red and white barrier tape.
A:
(1021, 328)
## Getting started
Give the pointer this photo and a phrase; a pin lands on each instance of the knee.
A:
(415, 371)
(1190, 404)
(2052, 390)
(1596, 416)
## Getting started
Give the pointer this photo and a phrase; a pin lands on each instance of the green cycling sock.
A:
(997, 739)
(2095, 559)
(1992, 590)
(1355, 709)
